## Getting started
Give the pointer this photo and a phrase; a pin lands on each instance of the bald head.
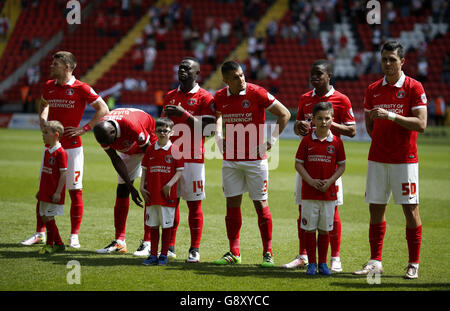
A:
(105, 132)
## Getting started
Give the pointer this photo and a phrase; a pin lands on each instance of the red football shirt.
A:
(197, 102)
(392, 143)
(135, 129)
(67, 104)
(320, 159)
(243, 116)
(161, 164)
(343, 112)
(55, 161)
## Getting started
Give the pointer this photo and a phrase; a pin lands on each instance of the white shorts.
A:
(191, 185)
(75, 165)
(157, 215)
(402, 180)
(133, 164)
(298, 190)
(50, 209)
(317, 215)
(239, 177)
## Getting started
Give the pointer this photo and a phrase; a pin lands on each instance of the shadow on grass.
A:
(91, 258)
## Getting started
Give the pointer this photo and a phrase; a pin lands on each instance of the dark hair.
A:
(322, 106)
(164, 122)
(394, 46)
(229, 66)
(323, 62)
(66, 58)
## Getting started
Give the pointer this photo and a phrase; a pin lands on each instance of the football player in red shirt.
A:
(320, 161)
(52, 184)
(128, 131)
(64, 98)
(343, 124)
(395, 112)
(193, 106)
(162, 167)
(241, 106)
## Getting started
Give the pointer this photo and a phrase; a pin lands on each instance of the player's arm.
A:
(346, 130)
(121, 169)
(172, 181)
(43, 112)
(369, 122)
(418, 122)
(283, 115)
(101, 109)
(56, 197)
(220, 141)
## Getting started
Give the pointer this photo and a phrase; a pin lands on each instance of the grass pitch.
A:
(25, 270)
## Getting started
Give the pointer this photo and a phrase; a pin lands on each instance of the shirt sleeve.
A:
(208, 106)
(62, 160)
(89, 94)
(301, 151)
(340, 152)
(348, 117)
(418, 97)
(300, 114)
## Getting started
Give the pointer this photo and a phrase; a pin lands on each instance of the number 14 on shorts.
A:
(197, 185)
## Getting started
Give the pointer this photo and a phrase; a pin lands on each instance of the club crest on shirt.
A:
(191, 101)
(400, 94)
(330, 149)
(69, 91)
(51, 160)
(168, 158)
(245, 103)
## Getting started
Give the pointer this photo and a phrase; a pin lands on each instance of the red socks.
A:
(265, 228)
(176, 222)
(335, 234)
(233, 222)
(76, 210)
(40, 225)
(376, 238)
(301, 233)
(120, 217)
(53, 236)
(165, 240)
(322, 242)
(414, 240)
(195, 220)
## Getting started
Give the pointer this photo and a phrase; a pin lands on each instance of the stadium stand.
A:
(305, 33)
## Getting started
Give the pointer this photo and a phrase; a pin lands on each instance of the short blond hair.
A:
(67, 58)
(56, 127)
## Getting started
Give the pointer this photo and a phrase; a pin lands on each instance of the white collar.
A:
(54, 148)
(399, 82)
(330, 92)
(166, 147)
(328, 139)
(192, 91)
(243, 92)
(70, 82)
